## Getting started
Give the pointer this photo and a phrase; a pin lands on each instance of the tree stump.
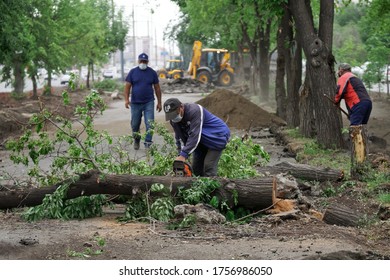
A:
(359, 150)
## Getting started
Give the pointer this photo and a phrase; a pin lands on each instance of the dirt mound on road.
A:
(237, 111)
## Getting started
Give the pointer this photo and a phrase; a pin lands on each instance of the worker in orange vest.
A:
(356, 97)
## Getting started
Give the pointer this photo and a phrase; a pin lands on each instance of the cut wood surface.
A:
(304, 171)
(255, 193)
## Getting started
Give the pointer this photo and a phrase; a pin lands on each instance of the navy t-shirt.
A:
(142, 82)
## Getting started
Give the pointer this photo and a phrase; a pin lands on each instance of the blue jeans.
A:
(137, 110)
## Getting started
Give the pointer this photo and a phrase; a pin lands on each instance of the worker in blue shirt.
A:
(141, 83)
(197, 132)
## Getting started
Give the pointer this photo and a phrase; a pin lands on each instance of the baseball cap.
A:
(170, 108)
(344, 66)
(143, 56)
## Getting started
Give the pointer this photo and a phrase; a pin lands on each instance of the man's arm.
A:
(126, 93)
(157, 91)
(195, 115)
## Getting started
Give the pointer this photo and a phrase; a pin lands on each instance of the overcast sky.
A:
(147, 23)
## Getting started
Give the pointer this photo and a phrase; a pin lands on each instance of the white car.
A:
(108, 73)
(65, 78)
(359, 70)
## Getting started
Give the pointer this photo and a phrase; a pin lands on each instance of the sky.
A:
(147, 23)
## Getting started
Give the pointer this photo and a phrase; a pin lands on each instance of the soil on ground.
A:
(296, 236)
(239, 112)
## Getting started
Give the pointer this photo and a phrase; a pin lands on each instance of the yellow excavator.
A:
(211, 65)
(173, 70)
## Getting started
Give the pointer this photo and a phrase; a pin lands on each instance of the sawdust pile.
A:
(237, 111)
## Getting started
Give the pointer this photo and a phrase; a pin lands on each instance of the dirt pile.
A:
(237, 111)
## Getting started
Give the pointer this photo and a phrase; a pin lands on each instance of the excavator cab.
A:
(173, 70)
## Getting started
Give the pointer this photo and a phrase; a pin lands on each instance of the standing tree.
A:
(16, 41)
(289, 64)
(376, 29)
(317, 46)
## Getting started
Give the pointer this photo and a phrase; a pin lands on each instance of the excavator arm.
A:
(195, 61)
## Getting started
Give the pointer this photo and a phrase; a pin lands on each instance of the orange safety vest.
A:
(350, 96)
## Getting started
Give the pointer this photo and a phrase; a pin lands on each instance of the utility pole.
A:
(155, 44)
(164, 52)
(135, 55)
(112, 23)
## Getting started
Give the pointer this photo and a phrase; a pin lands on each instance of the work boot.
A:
(136, 145)
(148, 145)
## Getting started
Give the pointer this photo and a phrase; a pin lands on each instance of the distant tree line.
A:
(56, 35)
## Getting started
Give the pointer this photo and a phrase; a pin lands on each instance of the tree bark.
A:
(264, 46)
(280, 89)
(253, 194)
(252, 46)
(341, 216)
(35, 87)
(306, 112)
(319, 57)
(293, 53)
(18, 75)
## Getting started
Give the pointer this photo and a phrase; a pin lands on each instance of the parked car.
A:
(65, 78)
(108, 73)
(359, 70)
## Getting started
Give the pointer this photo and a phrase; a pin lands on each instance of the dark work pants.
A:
(361, 112)
(205, 161)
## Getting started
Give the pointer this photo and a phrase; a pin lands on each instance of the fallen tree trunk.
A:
(304, 171)
(253, 193)
(341, 216)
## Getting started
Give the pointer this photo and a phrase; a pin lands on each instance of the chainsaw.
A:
(182, 169)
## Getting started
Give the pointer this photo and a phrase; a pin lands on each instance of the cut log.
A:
(304, 171)
(249, 193)
(359, 150)
(341, 216)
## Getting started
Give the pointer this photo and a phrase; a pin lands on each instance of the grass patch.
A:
(384, 198)
(313, 154)
(108, 85)
(375, 179)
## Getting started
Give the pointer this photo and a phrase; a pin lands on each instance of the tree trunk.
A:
(306, 113)
(293, 53)
(280, 89)
(319, 57)
(253, 194)
(35, 87)
(252, 45)
(359, 150)
(18, 75)
(341, 216)
(264, 45)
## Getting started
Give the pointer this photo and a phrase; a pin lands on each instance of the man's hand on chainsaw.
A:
(182, 168)
(180, 158)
